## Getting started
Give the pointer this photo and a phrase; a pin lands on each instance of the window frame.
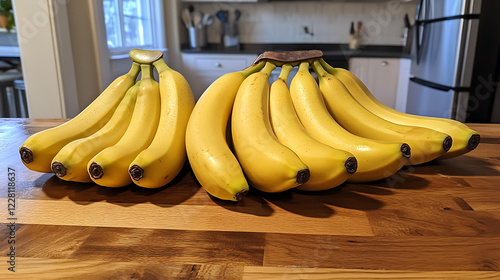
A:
(157, 30)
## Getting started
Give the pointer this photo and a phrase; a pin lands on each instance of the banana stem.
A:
(252, 69)
(147, 71)
(304, 66)
(134, 70)
(327, 66)
(161, 66)
(268, 68)
(285, 71)
(320, 71)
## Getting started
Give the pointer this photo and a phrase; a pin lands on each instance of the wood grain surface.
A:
(440, 220)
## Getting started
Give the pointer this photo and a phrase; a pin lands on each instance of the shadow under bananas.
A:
(404, 179)
(348, 195)
(297, 203)
(252, 204)
(177, 191)
(345, 196)
(460, 166)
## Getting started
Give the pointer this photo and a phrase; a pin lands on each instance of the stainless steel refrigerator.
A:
(443, 49)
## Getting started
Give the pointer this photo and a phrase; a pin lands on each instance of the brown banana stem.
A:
(240, 195)
(58, 169)
(406, 150)
(303, 176)
(351, 165)
(288, 56)
(136, 172)
(95, 170)
(26, 155)
(473, 141)
(447, 143)
(145, 56)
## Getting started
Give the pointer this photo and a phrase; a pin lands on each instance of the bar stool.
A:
(21, 100)
(13, 104)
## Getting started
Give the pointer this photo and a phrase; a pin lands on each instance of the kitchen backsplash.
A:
(326, 22)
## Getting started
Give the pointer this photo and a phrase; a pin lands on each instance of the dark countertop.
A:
(330, 51)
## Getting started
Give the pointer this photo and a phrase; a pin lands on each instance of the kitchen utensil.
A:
(207, 20)
(186, 18)
(237, 15)
(408, 35)
(407, 21)
(222, 15)
(197, 19)
(353, 37)
(352, 31)
(358, 28)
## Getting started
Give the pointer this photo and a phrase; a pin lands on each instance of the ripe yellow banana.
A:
(164, 158)
(464, 138)
(329, 167)
(110, 166)
(39, 149)
(214, 165)
(269, 165)
(376, 159)
(70, 163)
(426, 144)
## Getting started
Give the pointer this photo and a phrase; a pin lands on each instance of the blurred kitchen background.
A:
(60, 54)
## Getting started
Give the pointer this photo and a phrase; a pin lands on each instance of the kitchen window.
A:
(133, 24)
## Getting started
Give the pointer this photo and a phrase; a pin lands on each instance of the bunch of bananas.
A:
(133, 132)
(312, 136)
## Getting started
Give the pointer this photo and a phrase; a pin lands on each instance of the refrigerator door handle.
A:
(437, 86)
(419, 23)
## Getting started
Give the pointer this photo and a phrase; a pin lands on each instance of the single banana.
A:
(110, 166)
(464, 138)
(70, 163)
(269, 165)
(214, 165)
(426, 144)
(329, 167)
(376, 159)
(164, 158)
(39, 149)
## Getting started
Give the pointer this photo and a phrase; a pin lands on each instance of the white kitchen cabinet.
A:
(386, 78)
(201, 70)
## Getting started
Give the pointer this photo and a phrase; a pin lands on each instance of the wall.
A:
(283, 22)
(84, 55)
(47, 63)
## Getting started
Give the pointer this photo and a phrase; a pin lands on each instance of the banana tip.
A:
(136, 172)
(58, 169)
(95, 170)
(447, 143)
(26, 155)
(303, 176)
(406, 150)
(240, 195)
(473, 141)
(351, 165)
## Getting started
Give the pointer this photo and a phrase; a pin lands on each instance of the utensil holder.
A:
(230, 34)
(198, 37)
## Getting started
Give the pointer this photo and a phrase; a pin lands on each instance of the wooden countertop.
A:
(437, 221)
